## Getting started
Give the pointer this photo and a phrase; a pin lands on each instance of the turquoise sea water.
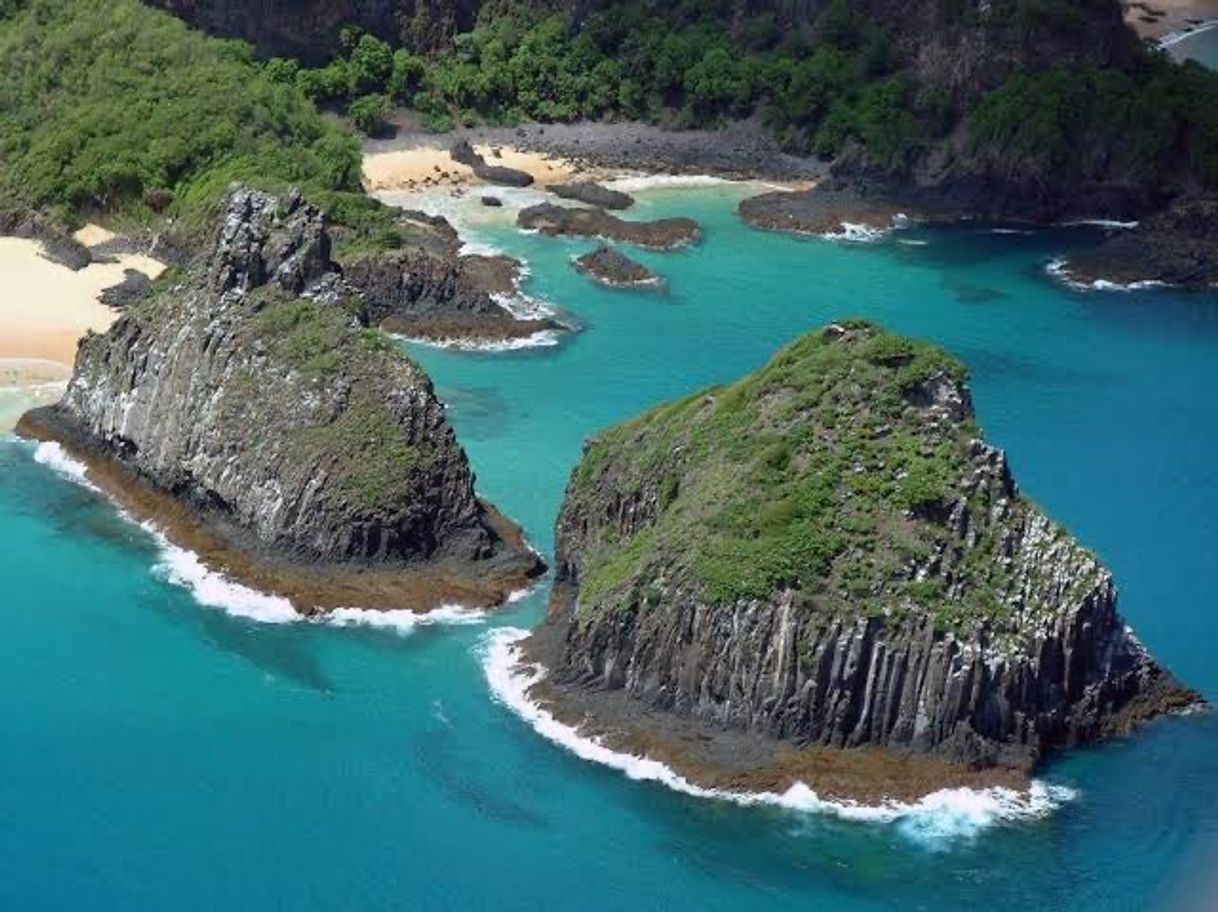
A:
(159, 754)
(1201, 46)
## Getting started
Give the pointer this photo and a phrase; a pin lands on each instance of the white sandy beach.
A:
(428, 167)
(1160, 18)
(45, 308)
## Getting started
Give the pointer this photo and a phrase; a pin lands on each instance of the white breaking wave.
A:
(213, 589)
(857, 233)
(940, 816)
(1176, 37)
(546, 338)
(634, 183)
(53, 456)
(1057, 269)
(1098, 223)
(403, 621)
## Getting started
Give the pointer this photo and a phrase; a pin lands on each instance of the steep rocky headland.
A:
(245, 407)
(661, 234)
(823, 573)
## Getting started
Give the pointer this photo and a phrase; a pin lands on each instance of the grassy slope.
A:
(813, 472)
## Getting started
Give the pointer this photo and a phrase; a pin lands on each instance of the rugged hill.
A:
(245, 406)
(826, 553)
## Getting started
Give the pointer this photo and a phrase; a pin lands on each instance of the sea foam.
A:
(1057, 269)
(935, 819)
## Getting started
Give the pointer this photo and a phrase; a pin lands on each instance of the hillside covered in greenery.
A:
(1042, 77)
(110, 107)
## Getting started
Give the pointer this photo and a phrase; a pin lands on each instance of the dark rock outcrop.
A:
(134, 287)
(443, 298)
(310, 29)
(826, 555)
(465, 154)
(251, 407)
(662, 234)
(819, 211)
(593, 194)
(1177, 247)
(609, 267)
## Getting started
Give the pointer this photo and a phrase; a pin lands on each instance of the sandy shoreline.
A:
(1159, 19)
(428, 166)
(45, 308)
(583, 151)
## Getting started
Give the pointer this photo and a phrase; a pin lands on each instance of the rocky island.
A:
(246, 408)
(615, 269)
(823, 573)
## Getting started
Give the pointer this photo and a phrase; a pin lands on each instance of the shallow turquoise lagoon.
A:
(161, 754)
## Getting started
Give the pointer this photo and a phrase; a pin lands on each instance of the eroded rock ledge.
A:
(661, 234)
(823, 573)
(1178, 247)
(244, 406)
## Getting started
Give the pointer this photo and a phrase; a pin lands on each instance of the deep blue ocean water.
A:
(158, 754)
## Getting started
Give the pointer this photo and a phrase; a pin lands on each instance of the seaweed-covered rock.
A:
(826, 555)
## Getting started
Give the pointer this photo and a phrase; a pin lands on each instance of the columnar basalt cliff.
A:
(244, 404)
(827, 555)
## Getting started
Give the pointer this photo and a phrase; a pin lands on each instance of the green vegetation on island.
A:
(830, 472)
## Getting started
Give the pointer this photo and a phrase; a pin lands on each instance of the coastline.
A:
(855, 785)
(1168, 21)
(310, 590)
(585, 151)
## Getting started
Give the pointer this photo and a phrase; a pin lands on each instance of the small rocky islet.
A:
(570, 221)
(248, 408)
(613, 268)
(823, 573)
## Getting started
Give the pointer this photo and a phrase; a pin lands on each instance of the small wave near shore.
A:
(936, 820)
(212, 589)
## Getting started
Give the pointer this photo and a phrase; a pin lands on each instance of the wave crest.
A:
(939, 817)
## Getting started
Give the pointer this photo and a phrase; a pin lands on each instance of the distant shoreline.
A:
(1167, 21)
(600, 151)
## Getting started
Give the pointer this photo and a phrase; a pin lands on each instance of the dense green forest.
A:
(107, 105)
(111, 106)
(819, 88)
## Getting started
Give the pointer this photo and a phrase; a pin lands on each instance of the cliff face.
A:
(248, 390)
(826, 553)
(309, 29)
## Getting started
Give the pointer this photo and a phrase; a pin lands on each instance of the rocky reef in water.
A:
(593, 194)
(823, 573)
(245, 407)
(615, 269)
(661, 234)
(465, 154)
(1177, 247)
